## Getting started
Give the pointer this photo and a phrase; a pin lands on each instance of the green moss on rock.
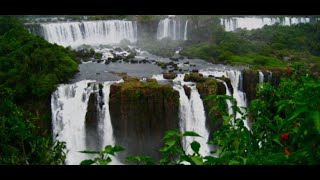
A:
(141, 112)
(207, 88)
(194, 77)
(169, 75)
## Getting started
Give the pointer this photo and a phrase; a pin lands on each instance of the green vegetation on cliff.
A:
(136, 89)
(142, 112)
(30, 70)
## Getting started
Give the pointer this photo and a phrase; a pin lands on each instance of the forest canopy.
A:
(30, 70)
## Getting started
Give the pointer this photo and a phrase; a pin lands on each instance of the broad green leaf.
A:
(277, 141)
(111, 150)
(191, 133)
(108, 160)
(170, 142)
(244, 160)
(165, 161)
(87, 162)
(164, 149)
(171, 134)
(211, 97)
(90, 152)
(186, 159)
(147, 160)
(316, 118)
(195, 146)
(229, 98)
(237, 109)
(133, 159)
(108, 149)
(282, 104)
(117, 149)
(197, 160)
(226, 119)
(297, 113)
(210, 160)
(213, 109)
(141, 160)
(104, 161)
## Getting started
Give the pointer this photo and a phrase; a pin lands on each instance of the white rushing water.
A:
(172, 28)
(192, 113)
(236, 79)
(69, 106)
(192, 116)
(228, 93)
(70, 101)
(233, 23)
(90, 32)
(261, 77)
(185, 31)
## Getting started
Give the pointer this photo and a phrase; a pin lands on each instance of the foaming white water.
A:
(69, 107)
(261, 77)
(233, 23)
(192, 116)
(236, 79)
(90, 32)
(158, 77)
(186, 31)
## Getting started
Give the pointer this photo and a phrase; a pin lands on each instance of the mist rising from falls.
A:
(172, 28)
(69, 107)
(90, 32)
(233, 23)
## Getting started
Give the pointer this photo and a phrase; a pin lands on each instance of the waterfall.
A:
(238, 94)
(89, 32)
(184, 112)
(107, 126)
(171, 28)
(199, 123)
(261, 77)
(192, 116)
(236, 79)
(185, 31)
(69, 107)
(228, 93)
(233, 23)
(67, 125)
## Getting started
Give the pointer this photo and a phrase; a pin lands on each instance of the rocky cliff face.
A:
(207, 88)
(250, 81)
(141, 112)
(93, 141)
(277, 74)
